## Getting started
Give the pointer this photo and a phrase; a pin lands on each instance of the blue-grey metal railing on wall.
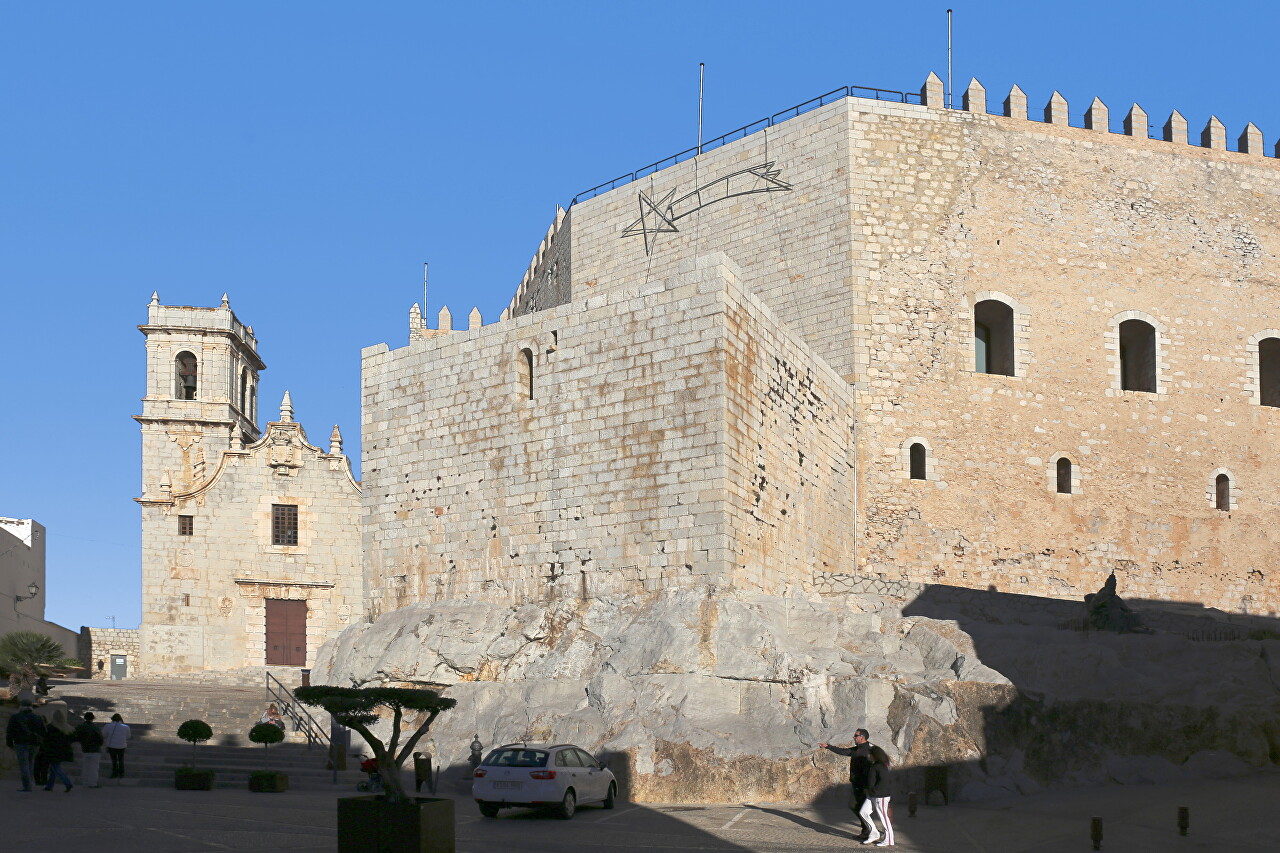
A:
(746, 130)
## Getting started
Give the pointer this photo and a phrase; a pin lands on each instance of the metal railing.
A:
(293, 710)
(746, 130)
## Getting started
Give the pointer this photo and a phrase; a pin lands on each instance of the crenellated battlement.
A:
(1097, 117)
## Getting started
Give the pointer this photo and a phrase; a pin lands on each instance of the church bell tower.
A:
(202, 394)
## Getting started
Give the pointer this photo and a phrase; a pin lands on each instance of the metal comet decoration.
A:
(658, 217)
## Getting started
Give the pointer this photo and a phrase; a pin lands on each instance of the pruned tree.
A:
(194, 732)
(357, 709)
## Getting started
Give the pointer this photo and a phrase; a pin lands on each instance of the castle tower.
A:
(202, 389)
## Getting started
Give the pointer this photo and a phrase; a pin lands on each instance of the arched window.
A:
(1222, 492)
(244, 391)
(525, 366)
(184, 368)
(253, 403)
(993, 337)
(1137, 356)
(1269, 371)
(1064, 476)
(918, 457)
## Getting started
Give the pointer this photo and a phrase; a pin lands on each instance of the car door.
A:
(567, 769)
(594, 780)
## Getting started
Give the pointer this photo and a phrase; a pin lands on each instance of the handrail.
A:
(296, 711)
(747, 130)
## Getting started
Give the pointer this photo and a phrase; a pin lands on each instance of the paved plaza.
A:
(1229, 815)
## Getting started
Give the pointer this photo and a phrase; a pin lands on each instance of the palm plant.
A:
(26, 656)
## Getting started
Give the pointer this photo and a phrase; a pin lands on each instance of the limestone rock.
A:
(700, 695)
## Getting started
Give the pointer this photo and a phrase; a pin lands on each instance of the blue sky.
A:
(306, 158)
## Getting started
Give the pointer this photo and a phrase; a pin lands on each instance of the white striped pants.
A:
(881, 807)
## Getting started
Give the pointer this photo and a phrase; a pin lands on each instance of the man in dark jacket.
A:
(90, 740)
(23, 735)
(859, 773)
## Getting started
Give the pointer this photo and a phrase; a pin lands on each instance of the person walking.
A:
(116, 736)
(90, 740)
(878, 793)
(57, 746)
(24, 734)
(859, 776)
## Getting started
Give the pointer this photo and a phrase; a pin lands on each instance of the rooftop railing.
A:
(747, 130)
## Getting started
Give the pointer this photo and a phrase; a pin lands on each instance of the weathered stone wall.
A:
(548, 281)
(900, 218)
(97, 645)
(636, 465)
(205, 594)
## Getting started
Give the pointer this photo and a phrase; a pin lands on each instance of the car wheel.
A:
(489, 809)
(613, 793)
(567, 806)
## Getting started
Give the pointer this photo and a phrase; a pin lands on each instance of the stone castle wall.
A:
(649, 404)
(899, 219)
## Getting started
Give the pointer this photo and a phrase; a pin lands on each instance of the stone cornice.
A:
(264, 582)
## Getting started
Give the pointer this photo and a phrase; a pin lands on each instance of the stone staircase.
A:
(154, 710)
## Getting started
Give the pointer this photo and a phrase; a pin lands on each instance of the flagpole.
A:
(701, 69)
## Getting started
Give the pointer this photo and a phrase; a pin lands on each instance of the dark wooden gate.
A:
(286, 632)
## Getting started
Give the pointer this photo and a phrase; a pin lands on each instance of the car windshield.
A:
(517, 758)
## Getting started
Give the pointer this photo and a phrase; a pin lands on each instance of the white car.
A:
(533, 775)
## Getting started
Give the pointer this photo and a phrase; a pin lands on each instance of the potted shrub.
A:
(191, 778)
(267, 781)
(391, 822)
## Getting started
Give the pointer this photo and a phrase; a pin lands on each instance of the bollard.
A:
(1095, 832)
(1184, 819)
(913, 803)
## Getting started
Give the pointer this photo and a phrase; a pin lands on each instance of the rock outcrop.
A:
(699, 696)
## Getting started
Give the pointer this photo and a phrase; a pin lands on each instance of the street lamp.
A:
(33, 589)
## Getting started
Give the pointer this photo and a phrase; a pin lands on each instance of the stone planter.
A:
(192, 779)
(372, 825)
(268, 781)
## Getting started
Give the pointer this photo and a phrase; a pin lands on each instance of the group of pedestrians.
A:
(43, 746)
(869, 770)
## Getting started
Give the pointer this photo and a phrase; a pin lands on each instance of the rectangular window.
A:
(186, 525)
(284, 524)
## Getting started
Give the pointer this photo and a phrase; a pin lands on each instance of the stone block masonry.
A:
(97, 645)
(677, 434)
(899, 220)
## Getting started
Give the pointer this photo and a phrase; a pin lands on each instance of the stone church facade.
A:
(250, 538)
(874, 342)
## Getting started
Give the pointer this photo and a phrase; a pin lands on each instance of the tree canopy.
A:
(357, 709)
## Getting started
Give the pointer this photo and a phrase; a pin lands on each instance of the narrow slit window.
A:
(244, 390)
(185, 369)
(1269, 372)
(1222, 492)
(284, 524)
(917, 454)
(1064, 476)
(993, 337)
(526, 372)
(186, 525)
(1137, 356)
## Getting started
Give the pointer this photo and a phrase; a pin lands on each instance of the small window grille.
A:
(284, 524)
(186, 525)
